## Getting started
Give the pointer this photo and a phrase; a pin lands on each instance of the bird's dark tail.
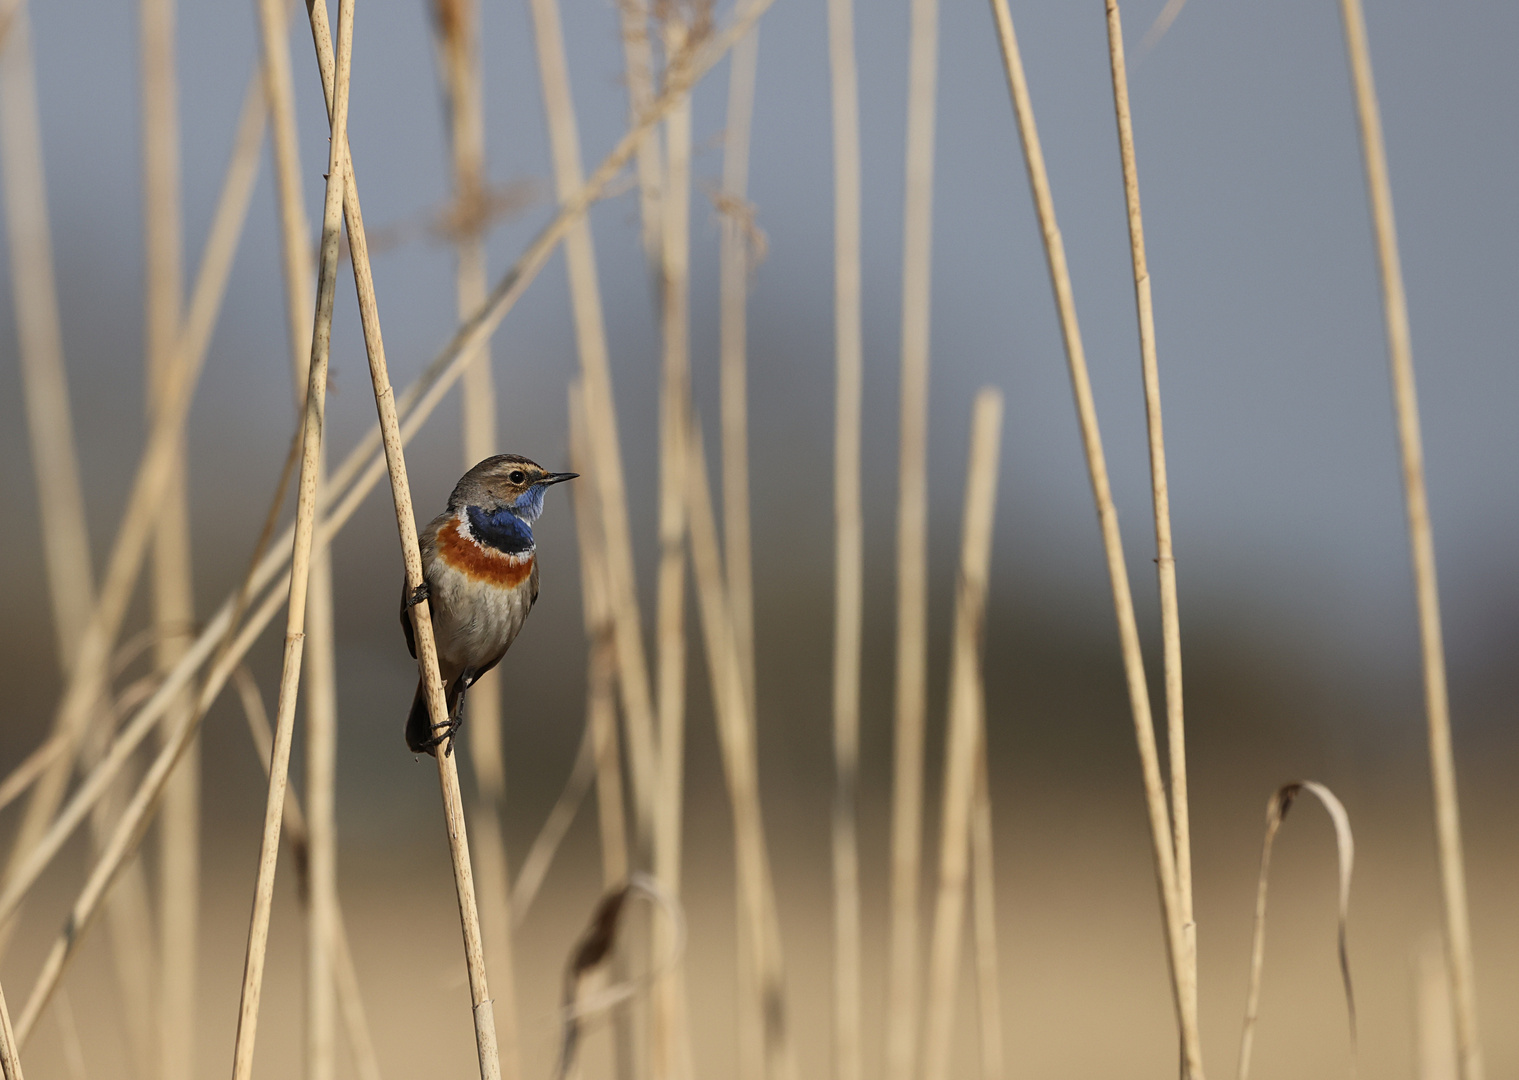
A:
(419, 730)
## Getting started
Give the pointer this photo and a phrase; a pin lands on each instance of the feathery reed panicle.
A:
(1165, 560)
(1421, 542)
(1344, 841)
(966, 738)
(601, 412)
(912, 546)
(300, 564)
(173, 603)
(669, 1044)
(849, 540)
(1107, 516)
(737, 738)
(456, 25)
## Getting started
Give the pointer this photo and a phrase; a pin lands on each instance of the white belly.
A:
(475, 622)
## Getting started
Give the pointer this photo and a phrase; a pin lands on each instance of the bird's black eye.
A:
(517, 476)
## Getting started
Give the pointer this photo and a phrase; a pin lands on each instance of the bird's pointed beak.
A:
(558, 478)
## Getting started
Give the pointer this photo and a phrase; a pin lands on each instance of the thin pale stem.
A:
(639, 56)
(912, 547)
(966, 739)
(10, 1053)
(1123, 602)
(1165, 560)
(1422, 546)
(984, 911)
(849, 541)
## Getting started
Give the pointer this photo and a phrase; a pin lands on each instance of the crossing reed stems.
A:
(670, 1049)
(350, 484)
(294, 835)
(300, 564)
(966, 737)
(591, 343)
(849, 541)
(912, 547)
(457, 27)
(1165, 560)
(173, 602)
(737, 739)
(1421, 543)
(88, 674)
(1107, 515)
(23, 775)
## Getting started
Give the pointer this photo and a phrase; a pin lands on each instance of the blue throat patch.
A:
(501, 529)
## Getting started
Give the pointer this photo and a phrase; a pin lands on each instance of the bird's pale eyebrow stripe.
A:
(480, 563)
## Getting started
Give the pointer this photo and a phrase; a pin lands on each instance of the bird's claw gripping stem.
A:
(417, 595)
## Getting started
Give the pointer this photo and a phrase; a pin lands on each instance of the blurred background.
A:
(1298, 621)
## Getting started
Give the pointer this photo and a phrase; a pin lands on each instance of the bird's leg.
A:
(444, 732)
(417, 595)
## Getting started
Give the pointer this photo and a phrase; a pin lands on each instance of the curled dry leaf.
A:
(1276, 812)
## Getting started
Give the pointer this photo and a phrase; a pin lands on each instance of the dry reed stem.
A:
(10, 1053)
(1344, 843)
(1165, 561)
(456, 28)
(351, 483)
(300, 565)
(912, 547)
(670, 1049)
(540, 854)
(601, 699)
(1421, 543)
(734, 256)
(173, 602)
(334, 76)
(1161, 24)
(849, 540)
(320, 652)
(22, 776)
(984, 912)
(66, 555)
(86, 683)
(737, 737)
(639, 56)
(966, 736)
(350, 1000)
(591, 342)
(1123, 601)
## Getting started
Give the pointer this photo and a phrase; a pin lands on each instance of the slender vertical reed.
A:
(1107, 515)
(966, 738)
(457, 26)
(912, 546)
(1165, 561)
(736, 736)
(1421, 543)
(639, 56)
(601, 413)
(10, 1054)
(300, 565)
(984, 912)
(849, 540)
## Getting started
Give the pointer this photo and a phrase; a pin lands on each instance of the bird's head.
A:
(507, 482)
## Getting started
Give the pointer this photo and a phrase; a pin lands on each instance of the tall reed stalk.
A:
(849, 540)
(10, 1055)
(638, 54)
(965, 745)
(1165, 560)
(173, 602)
(457, 26)
(300, 564)
(1107, 515)
(912, 546)
(1421, 543)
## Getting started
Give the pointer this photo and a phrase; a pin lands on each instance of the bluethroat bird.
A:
(480, 577)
